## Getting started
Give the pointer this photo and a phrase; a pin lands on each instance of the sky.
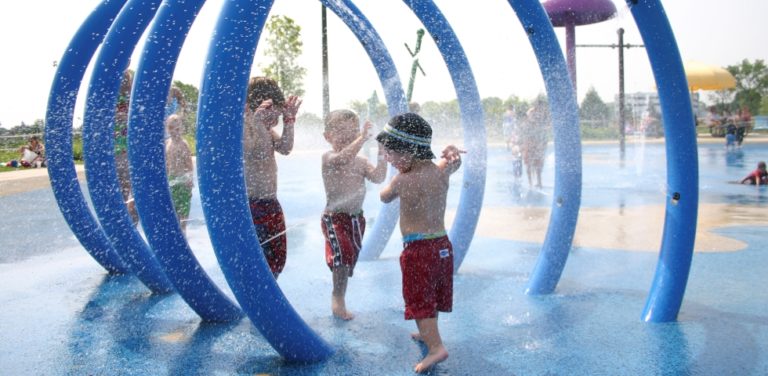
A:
(36, 33)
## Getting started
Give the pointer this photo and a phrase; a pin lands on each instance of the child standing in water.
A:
(178, 166)
(427, 258)
(265, 104)
(343, 223)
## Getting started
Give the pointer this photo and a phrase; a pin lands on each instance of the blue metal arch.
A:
(98, 143)
(673, 268)
(150, 182)
(377, 237)
(472, 120)
(222, 186)
(565, 125)
(58, 136)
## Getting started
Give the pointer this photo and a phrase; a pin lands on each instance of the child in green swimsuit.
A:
(178, 165)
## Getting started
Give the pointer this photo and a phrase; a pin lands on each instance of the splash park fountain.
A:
(100, 296)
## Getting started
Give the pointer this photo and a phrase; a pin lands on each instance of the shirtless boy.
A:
(178, 166)
(343, 223)
(265, 104)
(427, 258)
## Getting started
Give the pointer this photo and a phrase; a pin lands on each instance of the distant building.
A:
(639, 105)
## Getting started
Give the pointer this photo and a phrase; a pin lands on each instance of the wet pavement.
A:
(63, 315)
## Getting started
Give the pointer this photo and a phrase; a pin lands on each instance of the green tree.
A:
(493, 110)
(284, 47)
(191, 94)
(520, 105)
(751, 84)
(593, 110)
(443, 116)
(764, 106)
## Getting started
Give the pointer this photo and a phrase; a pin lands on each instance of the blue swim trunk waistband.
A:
(419, 236)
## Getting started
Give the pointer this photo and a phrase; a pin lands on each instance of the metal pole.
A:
(570, 47)
(326, 89)
(622, 114)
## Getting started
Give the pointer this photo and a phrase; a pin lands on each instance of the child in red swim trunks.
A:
(343, 223)
(427, 258)
(265, 104)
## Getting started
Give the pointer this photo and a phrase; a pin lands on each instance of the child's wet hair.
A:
(339, 116)
(261, 89)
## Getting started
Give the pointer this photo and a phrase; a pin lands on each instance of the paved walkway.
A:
(29, 179)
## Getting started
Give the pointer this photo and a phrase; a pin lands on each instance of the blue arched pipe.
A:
(98, 143)
(473, 187)
(222, 184)
(58, 136)
(377, 237)
(666, 294)
(148, 176)
(567, 142)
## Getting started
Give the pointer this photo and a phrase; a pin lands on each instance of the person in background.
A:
(178, 166)
(730, 132)
(33, 153)
(757, 177)
(509, 126)
(745, 118)
(121, 144)
(174, 104)
(534, 141)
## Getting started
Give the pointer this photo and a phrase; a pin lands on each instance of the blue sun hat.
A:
(408, 133)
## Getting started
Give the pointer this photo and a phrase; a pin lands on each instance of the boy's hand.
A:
(291, 108)
(366, 132)
(452, 154)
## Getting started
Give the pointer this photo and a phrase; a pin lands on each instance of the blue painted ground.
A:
(61, 314)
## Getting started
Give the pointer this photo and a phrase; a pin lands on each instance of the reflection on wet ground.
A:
(62, 315)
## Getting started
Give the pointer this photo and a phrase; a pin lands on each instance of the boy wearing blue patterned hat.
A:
(427, 258)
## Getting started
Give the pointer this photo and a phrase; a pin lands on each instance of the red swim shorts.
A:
(343, 238)
(427, 267)
(269, 221)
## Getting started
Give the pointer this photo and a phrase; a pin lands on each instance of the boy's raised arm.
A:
(379, 173)
(284, 145)
(390, 192)
(349, 153)
(450, 159)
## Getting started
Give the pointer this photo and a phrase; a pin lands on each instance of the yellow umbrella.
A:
(707, 77)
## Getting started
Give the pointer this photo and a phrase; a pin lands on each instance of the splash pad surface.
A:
(62, 314)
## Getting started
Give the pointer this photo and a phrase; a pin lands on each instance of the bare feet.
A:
(340, 310)
(438, 355)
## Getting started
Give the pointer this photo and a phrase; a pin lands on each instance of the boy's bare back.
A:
(259, 159)
(423, 191)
